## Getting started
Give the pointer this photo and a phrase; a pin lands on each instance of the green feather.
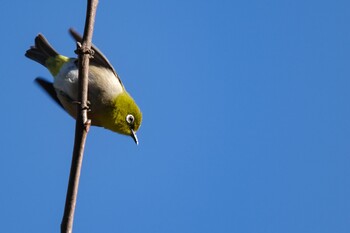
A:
(122, 106)
(54, 64)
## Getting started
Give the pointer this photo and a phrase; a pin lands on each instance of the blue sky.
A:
(246, 119)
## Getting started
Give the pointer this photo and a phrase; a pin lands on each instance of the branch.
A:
(82, 123)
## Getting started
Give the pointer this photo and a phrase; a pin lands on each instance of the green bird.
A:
(110, 105)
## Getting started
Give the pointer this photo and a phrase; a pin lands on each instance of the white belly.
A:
(102, 82)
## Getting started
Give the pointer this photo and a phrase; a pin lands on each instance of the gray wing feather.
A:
(49, 89)
(98, 58)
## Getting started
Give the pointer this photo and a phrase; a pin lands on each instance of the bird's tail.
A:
(41, 51)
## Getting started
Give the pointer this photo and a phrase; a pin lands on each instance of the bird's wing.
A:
(98, 58)
(49, 89)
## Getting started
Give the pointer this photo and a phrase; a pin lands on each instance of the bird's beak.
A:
(133, 135)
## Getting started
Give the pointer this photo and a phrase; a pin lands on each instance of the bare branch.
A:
(82, 123)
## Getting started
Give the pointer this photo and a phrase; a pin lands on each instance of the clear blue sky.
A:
(246, 119)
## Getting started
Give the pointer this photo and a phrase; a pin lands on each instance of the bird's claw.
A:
(87, 107)
(83, 50)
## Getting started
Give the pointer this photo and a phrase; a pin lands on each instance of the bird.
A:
(110, 105)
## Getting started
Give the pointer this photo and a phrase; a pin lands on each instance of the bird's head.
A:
(127, 116)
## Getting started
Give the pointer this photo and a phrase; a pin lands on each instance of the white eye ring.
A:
(130, 119)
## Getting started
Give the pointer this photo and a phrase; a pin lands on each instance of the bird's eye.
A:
(130, 119)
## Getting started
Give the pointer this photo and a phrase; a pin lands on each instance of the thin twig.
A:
(82, 122)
